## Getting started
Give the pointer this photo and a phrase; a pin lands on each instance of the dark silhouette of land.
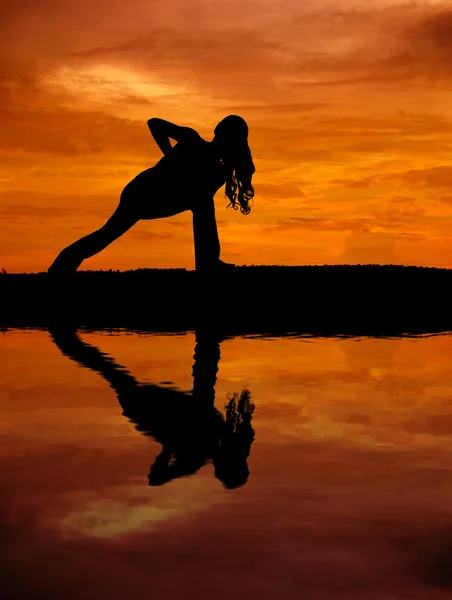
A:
(268, 300)
(190, 429)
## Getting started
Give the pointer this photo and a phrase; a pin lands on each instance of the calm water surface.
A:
(323, 470)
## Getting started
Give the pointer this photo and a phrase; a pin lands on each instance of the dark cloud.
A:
(393, 44)
(427, 48)
(422, 50)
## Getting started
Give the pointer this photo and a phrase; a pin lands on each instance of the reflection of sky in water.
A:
(348, 494)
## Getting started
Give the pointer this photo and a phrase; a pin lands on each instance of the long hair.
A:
(236, 156)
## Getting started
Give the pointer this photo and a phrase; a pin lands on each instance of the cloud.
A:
(275, 110)
(322, 224)
(53, 28)
(67, 132)
(280, 190)
(432, 177)
(29, 207)
(390, 224)
(369, 248)
(145, 236)
(427, 48)
(444, 200)
(12, 212)
(181, 225)
(394, 218)
(266, 55)
(403, 200)
(393, 43)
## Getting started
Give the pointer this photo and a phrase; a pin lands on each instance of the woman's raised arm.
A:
(163, 130)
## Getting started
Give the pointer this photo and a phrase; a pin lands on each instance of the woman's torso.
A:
(180, 180)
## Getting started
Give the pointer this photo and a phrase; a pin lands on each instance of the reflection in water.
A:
(351, 479)
(187, 425)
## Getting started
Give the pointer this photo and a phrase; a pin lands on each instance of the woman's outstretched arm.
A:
(163, 130)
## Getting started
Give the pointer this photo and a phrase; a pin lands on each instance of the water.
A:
(340, 467)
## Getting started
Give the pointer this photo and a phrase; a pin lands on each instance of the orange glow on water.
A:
(349, 487)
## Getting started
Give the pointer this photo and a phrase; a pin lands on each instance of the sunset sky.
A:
(348, 105)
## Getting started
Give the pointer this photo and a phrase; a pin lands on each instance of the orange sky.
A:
(348, 105)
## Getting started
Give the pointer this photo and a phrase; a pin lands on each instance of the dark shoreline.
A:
(258, 300)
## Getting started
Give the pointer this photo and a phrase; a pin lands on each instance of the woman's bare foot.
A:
(224, 265)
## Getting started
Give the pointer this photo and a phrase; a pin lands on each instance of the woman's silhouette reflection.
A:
(187, 425)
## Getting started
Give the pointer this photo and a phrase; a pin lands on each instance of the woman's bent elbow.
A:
(152, 122)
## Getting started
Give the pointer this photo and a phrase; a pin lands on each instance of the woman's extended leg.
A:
(72, 257)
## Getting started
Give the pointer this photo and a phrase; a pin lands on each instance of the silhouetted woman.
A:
(186, 178)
